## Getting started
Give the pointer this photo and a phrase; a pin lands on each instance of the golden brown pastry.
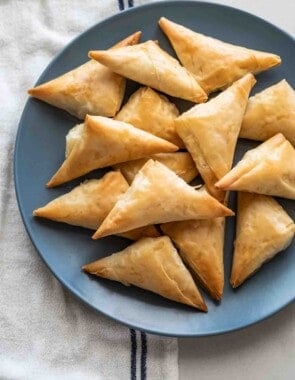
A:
(148, 64)
(158, 195)
(210, 131)
(180, 162)
(141, 232)
(101, 142)
(89, 89)
(216, 64)
(152, 264)
(151, 112)
(268, 169)
(270, 112)
(263, 230)
(88, 204)
(200, 244)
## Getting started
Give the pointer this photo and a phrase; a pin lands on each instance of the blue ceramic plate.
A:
(39, 151)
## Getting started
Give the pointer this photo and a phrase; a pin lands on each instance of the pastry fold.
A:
(200, 244)
(88, 204)
(102, 142)
(148, 64)
(210, 131)
(181, 163)
(263, 230)
(268, 169)
(153, 113)
(152, 264)
(216, 64)
(88, 89)
(158, 195)
(270, 112)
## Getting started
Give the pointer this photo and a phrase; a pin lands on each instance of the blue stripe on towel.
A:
(133, 354)
(130, 3)
(121, 4)
(143, 355)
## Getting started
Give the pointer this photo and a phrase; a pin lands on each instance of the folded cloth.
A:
(45, 333)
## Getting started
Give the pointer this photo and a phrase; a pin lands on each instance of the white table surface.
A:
(265, 351)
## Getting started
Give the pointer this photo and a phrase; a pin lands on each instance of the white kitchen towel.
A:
(44, 332)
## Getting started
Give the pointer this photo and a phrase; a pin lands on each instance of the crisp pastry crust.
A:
(263, 230)
(88, 89)
(153, 113)
(216, 64)
(193, 146)
(210, 131)
(270, 112)
(105, 142)
(148, 64)
(200, 244)
(152, 264)
(268, 169)
(180, 163)
(158, 195)
(141, 232)
(88, 204)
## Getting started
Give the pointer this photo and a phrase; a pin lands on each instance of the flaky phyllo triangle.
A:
(151, 112)
(101, 142)
(88, 89)
(263, 230)
(158, 195)
(216, 64)
(152, 264)
(270, 112)
(268, 169)
(88, 204)
(210, 131)
(200, 244)
(148, 64)
(181, 163)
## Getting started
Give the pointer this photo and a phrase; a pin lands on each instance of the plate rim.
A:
(17, 189)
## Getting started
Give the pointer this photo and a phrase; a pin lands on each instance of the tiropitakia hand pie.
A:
(151, 112)
(148, 64)
(88, 204)
(203, 168)
(200, 244)
(263, 230)
(210, 131)
(216, 64)
(152, 264)
(89, 89)
(158, 195)
(180, 162)
(268, 169)
(101, 142)
(270, 112)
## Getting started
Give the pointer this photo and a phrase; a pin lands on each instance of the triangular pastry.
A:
(152, 264)
(204, 169)
(158, 195)
(216, 64)
(263, 230)
(148, 64)
(180, 162)
(270, 112)
(210, 130)
(88, 204)
(101, 142)
(88, 89)
(268, 169)
(200, 244)
(151, 112)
